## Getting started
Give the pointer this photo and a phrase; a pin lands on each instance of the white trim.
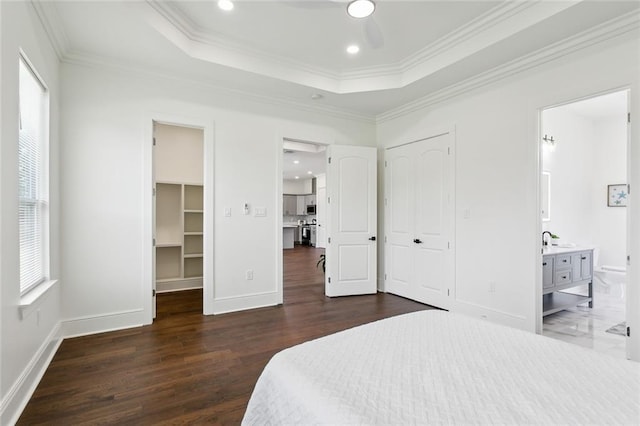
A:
(34, 298)
(494, 315)
(245, 302)
(597, 34)
(18, 395)
(93, 324)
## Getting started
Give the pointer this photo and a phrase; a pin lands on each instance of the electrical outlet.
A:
(249, 274)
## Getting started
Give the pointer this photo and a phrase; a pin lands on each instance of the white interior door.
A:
(419, 226)
(321, 213)
(351, 221)
(153, 225)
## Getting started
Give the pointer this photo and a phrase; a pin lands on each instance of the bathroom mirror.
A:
(545, 199)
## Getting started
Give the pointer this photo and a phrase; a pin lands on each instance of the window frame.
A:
(41, 201)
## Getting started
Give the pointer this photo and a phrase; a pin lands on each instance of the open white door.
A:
(419, 221)
(351, 221)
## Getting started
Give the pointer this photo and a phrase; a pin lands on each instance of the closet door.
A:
(433, 254)
(419, 261)
(400, 202)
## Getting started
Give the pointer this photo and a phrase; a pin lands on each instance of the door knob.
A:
(372, 238)
(417, 241)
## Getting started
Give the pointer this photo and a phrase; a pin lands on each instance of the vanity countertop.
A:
(562, 250)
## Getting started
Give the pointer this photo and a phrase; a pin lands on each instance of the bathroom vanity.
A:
(564, 268)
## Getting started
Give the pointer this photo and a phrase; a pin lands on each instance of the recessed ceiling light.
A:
(225, 4)
(360, 8)
(296, 162)
(297, 177)
(309, 172)
(353, 49)
(316, 96)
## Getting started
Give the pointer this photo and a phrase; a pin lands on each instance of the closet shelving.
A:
(179, 232)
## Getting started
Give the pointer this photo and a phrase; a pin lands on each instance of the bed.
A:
(436, 367)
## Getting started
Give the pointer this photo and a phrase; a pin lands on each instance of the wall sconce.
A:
(549, 143)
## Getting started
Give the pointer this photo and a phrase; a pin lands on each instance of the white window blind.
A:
(33, 179)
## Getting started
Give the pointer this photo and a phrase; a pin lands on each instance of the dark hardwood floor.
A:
(187, 368)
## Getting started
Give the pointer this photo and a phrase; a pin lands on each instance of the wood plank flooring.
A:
(187, 368)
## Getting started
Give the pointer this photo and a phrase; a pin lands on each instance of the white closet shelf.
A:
(192, 255)
(194, 211)
(174, 244)
(193, 233)
(169, 280)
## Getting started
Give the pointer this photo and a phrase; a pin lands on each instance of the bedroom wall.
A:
(104, 128)
(497, 151)
(26, 344)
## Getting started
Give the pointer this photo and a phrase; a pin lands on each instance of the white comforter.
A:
(434, 367)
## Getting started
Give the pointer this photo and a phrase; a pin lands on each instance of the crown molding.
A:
(101, 63)
(52, 25)
(600, 33)
(503, 20)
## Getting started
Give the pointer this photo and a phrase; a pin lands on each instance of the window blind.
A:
(33, 182)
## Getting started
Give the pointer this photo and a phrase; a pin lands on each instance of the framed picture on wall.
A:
(617, 195)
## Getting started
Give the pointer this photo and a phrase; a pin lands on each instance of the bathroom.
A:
(584, 177)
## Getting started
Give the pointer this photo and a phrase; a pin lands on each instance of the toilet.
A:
(610, 279)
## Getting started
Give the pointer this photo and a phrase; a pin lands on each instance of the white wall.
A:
(590, 154)
(497, 177)
(105, 115)
(25, 344)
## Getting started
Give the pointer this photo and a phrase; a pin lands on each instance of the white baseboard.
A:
(102, 323)
(493, 315)
(177, 285)
(243, 303)
(18, 396)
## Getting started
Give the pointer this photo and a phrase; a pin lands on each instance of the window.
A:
(33, 178)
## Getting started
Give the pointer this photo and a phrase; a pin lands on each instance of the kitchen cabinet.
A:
(564, 268)
(301, 208)
(310, 200)
(289, 205)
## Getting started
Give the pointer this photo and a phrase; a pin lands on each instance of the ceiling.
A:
(303, 160)
(290, 50)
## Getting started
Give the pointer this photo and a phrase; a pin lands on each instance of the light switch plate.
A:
(260, 211)
(227, 212)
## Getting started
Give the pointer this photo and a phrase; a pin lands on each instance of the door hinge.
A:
(154, 192)
(329, 159)
(628, 331)
(329, 279)
(154, 141)
(448, 150)
(448, 244)
(628, 117)
(385, 238)
(328, 200)
(153, 293)
(329, 240)
(385, 277)
(385, 163)
(628, 260)
(448, 292)
(385, 201)
(154, 242)
(628, 189)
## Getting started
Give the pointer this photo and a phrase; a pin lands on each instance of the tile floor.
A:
(587, 327)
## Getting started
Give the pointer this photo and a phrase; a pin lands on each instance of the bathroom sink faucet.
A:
(544, 242)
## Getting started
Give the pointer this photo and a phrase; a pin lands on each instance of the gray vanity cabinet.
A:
(547, 271)
(564, 269)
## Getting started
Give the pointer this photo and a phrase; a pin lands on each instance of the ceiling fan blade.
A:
(372, 33)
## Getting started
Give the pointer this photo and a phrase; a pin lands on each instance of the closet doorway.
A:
(178, 208)
(584, 194)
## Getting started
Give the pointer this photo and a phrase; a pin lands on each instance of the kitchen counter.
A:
(288, 231)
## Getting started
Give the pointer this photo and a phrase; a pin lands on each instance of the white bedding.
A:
(434, 367)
